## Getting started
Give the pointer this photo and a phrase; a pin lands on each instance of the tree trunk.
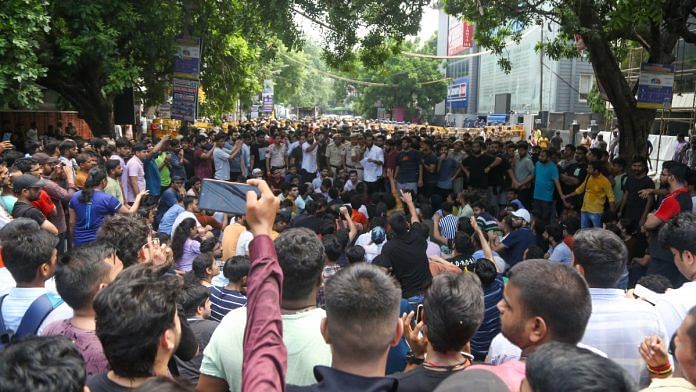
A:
(634, 123)
(91, 105)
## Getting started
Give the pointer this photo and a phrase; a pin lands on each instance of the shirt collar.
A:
(332, 379)
(596, 292)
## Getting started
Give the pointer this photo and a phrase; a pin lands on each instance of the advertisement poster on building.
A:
(185, 99)
(655, 86)
(457, 93)
(460, 36)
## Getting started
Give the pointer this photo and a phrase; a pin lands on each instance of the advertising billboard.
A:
(460, 36)
(655, 86)
(457, 92)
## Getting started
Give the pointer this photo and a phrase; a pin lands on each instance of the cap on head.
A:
(27, 181)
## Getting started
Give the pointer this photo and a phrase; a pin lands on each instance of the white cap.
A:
(524, 214)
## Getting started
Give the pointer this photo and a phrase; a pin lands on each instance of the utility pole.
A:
(541, 70)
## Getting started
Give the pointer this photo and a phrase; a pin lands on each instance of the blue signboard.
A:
(457, 93)
(655, 86)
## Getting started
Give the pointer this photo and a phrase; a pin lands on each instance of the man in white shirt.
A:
(136, 172)
(309, 157)
(29, 253)
(677, 235)
(372, 165)
(222, 157)
(618, 324)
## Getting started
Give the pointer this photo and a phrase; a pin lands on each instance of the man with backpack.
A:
(29, 253)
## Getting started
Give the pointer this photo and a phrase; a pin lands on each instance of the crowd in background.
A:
(403, 259)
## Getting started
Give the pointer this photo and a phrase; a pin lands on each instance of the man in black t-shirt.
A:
(258, 151)
(477, 166)
(573, 176)
(405, 255)
(27, 188)
(497, 176)
(429, 168)
(633, 207)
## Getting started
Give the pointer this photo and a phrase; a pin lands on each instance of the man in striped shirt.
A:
(230, 297)
(448, 222)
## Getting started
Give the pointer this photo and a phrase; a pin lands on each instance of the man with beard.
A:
(478, 165)
(678, 200)
(545, 180)
(536, 311)
(573, 175)
(633, 207)
(27, 189)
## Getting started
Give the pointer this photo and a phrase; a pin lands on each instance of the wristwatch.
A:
(412, 359)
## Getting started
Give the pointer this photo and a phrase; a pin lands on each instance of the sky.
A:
(428, 26)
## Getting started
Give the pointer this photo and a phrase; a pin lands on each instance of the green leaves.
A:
(21, 24)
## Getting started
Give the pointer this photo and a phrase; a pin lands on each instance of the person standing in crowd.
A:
(277, 156)
(123, 152)
(477, 166)
(557, 141)
(27, 189)
(633, 207)
(545, 181)
(309, 163)
(597, 191)
(203, 158)
(84, 163)
(409, 171)
(258, 151)
(372, 164)
(522, 173)
(90, 206)
(52, 172)
(136, 173)
(336, 154)
(185, 244)
(617, 324)
(575, 174)
(677, 201)
(222, 157)
(113, 180)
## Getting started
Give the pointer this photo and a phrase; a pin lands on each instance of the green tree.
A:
(22, 22)
(404, 78)
(90, 51)
(300, 78)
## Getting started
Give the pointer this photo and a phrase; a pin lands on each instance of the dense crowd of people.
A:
(372, 260)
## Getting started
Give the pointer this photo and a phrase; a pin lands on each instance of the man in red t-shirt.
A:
(661, 260)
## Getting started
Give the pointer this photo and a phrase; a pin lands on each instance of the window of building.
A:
(584, 86)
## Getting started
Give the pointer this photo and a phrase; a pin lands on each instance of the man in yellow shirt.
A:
(597, 189)
(230, 237)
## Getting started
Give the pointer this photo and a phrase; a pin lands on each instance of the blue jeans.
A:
(589, 220)
(415, 301)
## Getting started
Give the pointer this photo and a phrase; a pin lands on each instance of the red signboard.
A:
(460, 36)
